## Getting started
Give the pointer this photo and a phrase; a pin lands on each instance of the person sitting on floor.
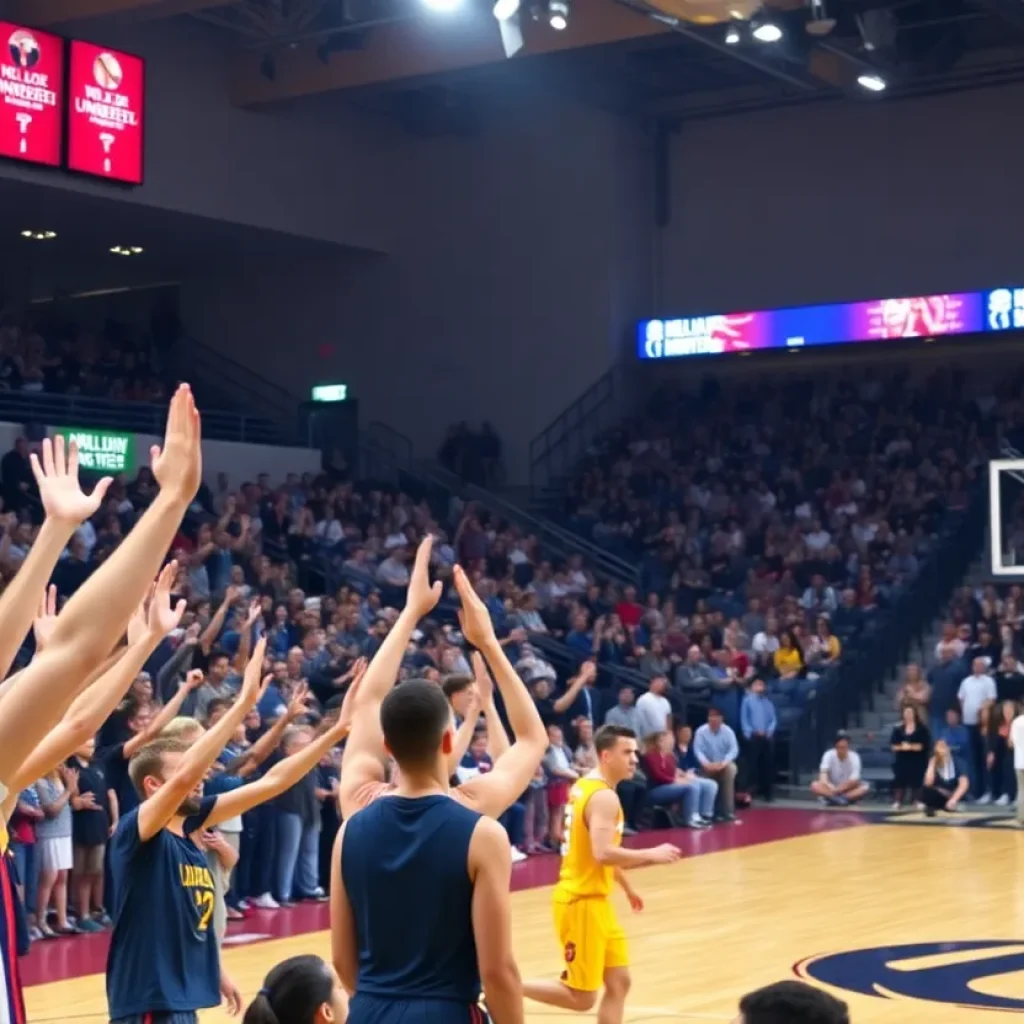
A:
(945, 781)
(839, 783)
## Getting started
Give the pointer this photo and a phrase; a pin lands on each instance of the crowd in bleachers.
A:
(771, 530)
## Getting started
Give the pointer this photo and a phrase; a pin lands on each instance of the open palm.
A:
(162, 616)
(59, 490)
(178, 466)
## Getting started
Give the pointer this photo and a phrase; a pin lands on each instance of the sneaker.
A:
(517, 855)
(34, 934)
(822, 801)
(89, 927)
(697, 822)
(1003, 801)
(266, 902)
(103, 919)
(46, 932)
(896, 805)
(708, 819)
(286, 904)
(985, 798)
(243, 904)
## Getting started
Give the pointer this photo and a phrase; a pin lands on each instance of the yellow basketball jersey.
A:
(581, 874)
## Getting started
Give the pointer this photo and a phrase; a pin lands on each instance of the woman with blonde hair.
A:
(945, 781)
(55, 850)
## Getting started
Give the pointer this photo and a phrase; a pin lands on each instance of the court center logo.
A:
(935, 972)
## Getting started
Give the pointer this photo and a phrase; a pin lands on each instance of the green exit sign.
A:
(330, 393)
(101, 451)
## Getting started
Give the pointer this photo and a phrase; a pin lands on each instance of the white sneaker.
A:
(1003, 801)
(697, 822)
(266, 902)
(517, 855)
(985, 798)
(243, 904)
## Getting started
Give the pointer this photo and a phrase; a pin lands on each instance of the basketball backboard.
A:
(1006, 519)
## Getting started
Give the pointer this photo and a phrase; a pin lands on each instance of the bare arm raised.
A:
(492, 794)
(362, 763)
(94, 619)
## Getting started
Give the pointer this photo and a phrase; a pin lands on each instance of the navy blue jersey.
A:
(163, 951)
(404, 865)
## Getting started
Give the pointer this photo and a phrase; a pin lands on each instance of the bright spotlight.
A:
(769, 32)
(505, 9)
(873, 83)
(558, 14)
(732, 36)
(443, 6)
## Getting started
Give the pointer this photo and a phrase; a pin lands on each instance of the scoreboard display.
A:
(106, 113)
(32, 94)
(71, 105)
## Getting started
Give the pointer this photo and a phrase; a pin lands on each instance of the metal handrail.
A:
(609, 564)
(560, 445)
(135, 417)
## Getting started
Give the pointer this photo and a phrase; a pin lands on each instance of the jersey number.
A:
(204, 901)
(566, 830)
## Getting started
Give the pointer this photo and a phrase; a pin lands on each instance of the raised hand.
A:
(253, 687)
(484, 683)
(195, 678)
(178, 467)
(299, 699)
(421, 597)
(59, 490)
(46, 617)
(348, 704)
(161, 617)
(474, 617)
(255, 611)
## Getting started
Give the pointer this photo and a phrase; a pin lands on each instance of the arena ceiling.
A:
(626, 55)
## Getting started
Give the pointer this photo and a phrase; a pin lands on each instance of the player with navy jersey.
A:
(163, 964)
(420, 916)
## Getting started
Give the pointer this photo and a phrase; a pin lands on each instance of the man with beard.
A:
(163, 964)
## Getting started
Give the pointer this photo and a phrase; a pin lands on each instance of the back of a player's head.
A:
(792, 1002)
(302, 990)
(183, 729)
(151, 762)
(414, 718)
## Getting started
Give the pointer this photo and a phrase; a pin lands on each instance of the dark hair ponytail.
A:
(292, 992)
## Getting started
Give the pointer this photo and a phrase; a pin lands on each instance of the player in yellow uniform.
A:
(592, 940)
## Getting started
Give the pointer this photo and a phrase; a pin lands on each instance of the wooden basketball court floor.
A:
(822, 894)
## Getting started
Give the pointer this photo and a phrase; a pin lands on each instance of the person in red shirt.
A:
(668, 787)
(629, 610)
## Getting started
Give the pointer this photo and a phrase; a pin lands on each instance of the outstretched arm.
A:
(67, 507)
(93, 620)
(362, 762)
(492, 794)
(497, 739)
(146, 629)
(285, 773)
(157, 811)
(464, 734)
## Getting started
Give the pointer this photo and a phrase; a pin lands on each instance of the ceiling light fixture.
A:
(872, 82)
(38, 236)
(558, 14)
(505, 9)
(732, 36)
(443, 6)
(127, 250)
(767, 32)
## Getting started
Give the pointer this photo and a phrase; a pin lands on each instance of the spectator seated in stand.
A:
(687, 800)
(839, 783)
(716, 750)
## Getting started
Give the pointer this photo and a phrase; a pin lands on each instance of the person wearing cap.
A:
(839, 783)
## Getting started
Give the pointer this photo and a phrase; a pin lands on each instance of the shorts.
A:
(558, 794)
(189, 1017)
(369, 1009)
(592, 940)
(89, 859)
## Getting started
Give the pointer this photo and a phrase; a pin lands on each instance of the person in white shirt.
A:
(977, 694)
(1017, 746)
(654, 713)
(839, 782)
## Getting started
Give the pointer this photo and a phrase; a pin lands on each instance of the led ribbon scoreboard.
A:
(925, 316)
